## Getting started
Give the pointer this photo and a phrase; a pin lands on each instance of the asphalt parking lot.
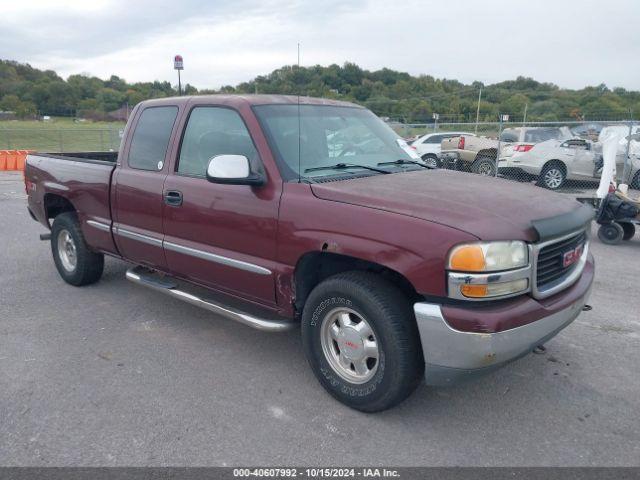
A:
(114, 374)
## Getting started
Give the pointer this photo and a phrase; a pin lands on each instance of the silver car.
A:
(555, 161)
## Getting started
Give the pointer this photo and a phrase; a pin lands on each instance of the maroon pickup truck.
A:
(276, 211)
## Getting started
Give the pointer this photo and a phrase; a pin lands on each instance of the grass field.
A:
(59, 135)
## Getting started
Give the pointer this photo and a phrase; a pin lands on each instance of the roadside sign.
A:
(505, 118)
(177, 63)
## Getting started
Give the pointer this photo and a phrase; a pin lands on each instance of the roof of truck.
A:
(259, 99)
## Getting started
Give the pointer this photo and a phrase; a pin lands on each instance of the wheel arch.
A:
(314, 267)
(555, 161)
(490, 153)
(55, 204)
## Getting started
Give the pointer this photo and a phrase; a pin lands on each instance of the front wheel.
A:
(611, 233)
(431, 160)
(76, 263)
(361, 339)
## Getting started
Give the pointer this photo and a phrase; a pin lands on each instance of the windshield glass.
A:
(326, 135)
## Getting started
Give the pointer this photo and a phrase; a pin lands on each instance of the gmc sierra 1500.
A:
(274, 211)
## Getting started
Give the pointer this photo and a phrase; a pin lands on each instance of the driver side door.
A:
(220, 236)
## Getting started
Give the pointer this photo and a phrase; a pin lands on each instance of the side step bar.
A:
(144, 277)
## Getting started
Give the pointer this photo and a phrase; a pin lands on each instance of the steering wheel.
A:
(351, 149)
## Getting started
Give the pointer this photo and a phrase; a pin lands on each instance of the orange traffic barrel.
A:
(22, 159)
(12, 159)
(3, 160)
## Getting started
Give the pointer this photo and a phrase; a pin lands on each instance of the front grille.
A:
(550, 259)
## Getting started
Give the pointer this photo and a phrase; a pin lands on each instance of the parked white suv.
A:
(428, 146)
(554, 162)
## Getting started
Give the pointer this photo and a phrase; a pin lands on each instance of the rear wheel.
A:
(431, 160)
(629, 230)
(484, 166)
(553, 176)
(76, 263)
(361, 339)
(611, 233)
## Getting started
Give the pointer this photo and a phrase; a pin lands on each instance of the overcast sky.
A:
(572, 43)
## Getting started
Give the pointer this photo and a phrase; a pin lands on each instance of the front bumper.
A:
(452, 355)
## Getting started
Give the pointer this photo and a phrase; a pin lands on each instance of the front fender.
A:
(415, 248)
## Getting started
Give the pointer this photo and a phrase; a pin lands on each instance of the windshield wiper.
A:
(402, 161)
(342, 166)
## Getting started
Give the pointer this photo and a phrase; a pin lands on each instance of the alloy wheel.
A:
(349, 345)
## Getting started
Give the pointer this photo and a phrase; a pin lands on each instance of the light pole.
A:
(178, 65)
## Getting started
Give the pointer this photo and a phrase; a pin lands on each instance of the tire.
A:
(363, 382)
(629, 230)
(485, 166)
(432, 160)
(611, 233)
(76, 263)
(553, 176)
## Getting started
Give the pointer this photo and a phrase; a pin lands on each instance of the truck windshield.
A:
(324, 136)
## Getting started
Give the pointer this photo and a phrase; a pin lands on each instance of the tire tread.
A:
(90, 264)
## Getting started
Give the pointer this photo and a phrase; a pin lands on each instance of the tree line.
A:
(29, 92)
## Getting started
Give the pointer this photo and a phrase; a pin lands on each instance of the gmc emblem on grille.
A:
(572, 256)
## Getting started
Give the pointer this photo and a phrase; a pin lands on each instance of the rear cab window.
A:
(542, 135)
(151, 137)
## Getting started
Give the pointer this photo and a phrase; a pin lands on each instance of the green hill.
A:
(28, 91)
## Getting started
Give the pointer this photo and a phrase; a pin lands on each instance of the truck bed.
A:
(88, 157)
(82, 179)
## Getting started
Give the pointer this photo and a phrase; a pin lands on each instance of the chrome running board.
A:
(146, 278)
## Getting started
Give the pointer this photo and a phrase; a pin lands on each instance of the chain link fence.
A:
(560, 156)
(60, 139)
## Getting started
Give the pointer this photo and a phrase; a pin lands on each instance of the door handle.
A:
(173, 198)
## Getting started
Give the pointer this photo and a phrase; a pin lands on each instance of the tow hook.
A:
(45, 236)
(587, 308)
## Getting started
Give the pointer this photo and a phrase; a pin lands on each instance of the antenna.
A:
(299, 134)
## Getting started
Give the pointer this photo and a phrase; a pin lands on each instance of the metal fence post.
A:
(478, 111)
(626, 171)
(499, 145)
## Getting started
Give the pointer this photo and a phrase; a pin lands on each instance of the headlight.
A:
(488, 256)
(485, 270)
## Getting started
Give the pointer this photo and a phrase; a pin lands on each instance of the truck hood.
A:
(488, 208)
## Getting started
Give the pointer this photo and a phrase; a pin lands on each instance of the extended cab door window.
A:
(221, 236)
(139, 188)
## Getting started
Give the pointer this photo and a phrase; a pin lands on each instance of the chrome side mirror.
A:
(232, 170)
